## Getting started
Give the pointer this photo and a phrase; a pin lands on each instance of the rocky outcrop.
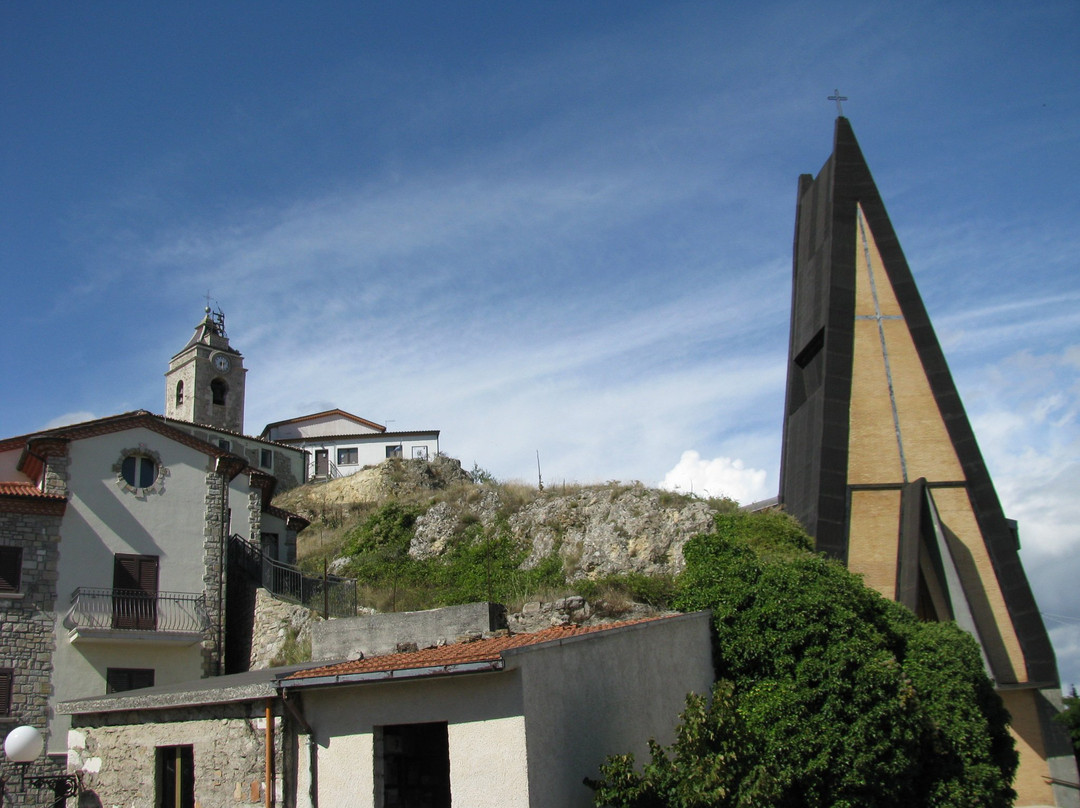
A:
(279, 624)
(597, 530)
(331, 501)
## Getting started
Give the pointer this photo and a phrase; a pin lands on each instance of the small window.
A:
(180, 393)
(266, 458)
(224, 444)
(420, 452)
(393, 451)
(10, 569)
(119, 680)
(139, 471)
(7, 679)
(218, 389)
(348, 457)
(175, 777)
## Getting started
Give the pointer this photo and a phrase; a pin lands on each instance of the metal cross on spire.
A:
(838, 98)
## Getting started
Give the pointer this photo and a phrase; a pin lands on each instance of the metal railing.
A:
(329, 595)
(332, 471)
(135, 610)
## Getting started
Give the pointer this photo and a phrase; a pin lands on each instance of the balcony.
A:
(131, 615)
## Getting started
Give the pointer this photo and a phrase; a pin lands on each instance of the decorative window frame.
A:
(142, 450)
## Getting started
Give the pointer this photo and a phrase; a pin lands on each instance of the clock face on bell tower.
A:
(205, 380)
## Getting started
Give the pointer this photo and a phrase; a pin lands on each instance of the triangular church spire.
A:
(879, 460)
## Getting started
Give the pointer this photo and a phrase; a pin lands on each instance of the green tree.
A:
(844, 697)
(1070, 717)
(713, 763)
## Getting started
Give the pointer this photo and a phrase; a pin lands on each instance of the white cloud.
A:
(719, 477)
(69, 418)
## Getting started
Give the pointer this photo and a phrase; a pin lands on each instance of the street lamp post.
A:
(23, 745)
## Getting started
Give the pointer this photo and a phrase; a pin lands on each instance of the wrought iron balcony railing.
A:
(116, 610)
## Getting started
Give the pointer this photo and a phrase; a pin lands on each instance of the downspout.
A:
(269, 739)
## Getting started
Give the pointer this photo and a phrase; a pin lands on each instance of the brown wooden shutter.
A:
(7, 676)
(135, 589)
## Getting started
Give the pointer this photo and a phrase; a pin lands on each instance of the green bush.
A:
(657, 591)
(846, 699)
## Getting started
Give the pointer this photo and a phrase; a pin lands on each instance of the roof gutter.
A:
(385, 676)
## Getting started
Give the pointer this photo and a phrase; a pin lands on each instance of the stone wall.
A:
(27, 639)
(114, 755)
(217, 491)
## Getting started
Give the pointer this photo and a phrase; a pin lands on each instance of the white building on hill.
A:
(339, 443)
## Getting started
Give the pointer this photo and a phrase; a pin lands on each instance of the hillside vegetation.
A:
(420, 534)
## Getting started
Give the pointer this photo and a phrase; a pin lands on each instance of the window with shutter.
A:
(118, 680)
(7, 677)
(135, 588)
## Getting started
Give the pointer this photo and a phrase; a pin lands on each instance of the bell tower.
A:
(205, 380)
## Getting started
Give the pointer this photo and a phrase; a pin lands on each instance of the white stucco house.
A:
(339, 443)
(505, 722)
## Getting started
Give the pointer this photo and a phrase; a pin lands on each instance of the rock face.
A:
(278, 623)
(596, 531)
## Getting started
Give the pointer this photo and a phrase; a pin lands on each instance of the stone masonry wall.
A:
(27, 638)
(115, 757)
(255, 516)
(213, 573)
(56, 473)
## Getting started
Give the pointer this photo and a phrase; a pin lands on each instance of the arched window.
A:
(218, 388)
(180, 393)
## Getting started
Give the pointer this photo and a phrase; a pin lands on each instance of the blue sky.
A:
(554, 227)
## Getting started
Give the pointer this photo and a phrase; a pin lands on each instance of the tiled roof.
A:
(487, 650)
(25, 489)
(340, 413)
(288, 516)
(19, 496)
(118, 423)
(358, 437)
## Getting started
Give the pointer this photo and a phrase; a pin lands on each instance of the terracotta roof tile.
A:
(25, 489)
(486, 650)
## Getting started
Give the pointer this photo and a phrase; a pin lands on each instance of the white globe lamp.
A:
(23, 745)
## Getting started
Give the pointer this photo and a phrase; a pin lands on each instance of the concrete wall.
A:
(486, 733)
(605, 694)
(373, 634)
(8, 462)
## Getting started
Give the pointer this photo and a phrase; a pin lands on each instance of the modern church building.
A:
(881, 466)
